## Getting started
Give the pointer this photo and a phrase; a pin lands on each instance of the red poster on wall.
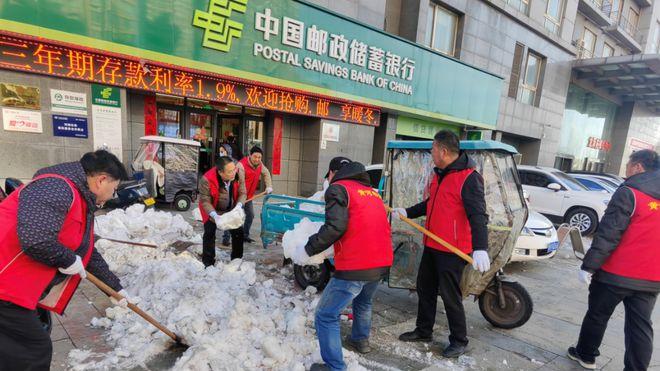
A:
(150, 120)
(277, 144)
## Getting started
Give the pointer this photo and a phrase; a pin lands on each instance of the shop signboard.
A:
(68, 102)
(638, 144)
(22, 120)
(19, 96)
(284, 44)
(417, 128)
(599, 144)
(105, 95)
(70, 126)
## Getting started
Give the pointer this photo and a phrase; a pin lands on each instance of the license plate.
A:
(149, 201)
(552, 246)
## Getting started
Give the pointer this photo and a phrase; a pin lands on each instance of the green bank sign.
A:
(286, 43)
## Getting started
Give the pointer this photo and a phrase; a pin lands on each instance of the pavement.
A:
(560, 302)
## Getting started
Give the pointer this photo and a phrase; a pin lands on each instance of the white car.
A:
(563, 199)
(537, 241)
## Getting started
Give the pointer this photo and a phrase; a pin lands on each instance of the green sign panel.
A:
(105, 95)
(286, 43)
(417, 128)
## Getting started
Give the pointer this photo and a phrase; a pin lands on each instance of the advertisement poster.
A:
(70, 126)
(20, 120)
(19, 96)
(68, 102)
(107, 129)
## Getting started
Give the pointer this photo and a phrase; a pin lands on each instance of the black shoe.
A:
(573, 354)
(287, 261)
(454, 351)
(415, 336)
(361, 346)
(225, 242)
(248, 239)
(319, 367)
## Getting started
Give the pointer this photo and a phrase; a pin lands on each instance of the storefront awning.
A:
(632, 78)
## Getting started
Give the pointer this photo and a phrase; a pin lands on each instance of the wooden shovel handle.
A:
(256, 196)
(131, 242)
(435, 238)
(109, 291)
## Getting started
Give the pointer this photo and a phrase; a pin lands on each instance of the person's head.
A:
(256, 154)
(642, 161)
(445, 148)
(334, 166)
(231, 139)
(104, 171)
(222, 152)
(226, 168)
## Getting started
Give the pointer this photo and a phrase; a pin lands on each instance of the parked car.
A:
(562, 199)
(594, 183)
(538, 239)
(610, 178)
(375, 172)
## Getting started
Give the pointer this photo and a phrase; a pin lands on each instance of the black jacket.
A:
(336, 222)
(612, 227)
(42, 208)
(473, 197)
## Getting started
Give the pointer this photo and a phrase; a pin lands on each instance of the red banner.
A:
(277, 145)
(150, 120)
(49, 58)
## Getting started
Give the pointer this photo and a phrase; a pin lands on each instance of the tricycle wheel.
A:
(182, 202)
(312, 275)
(516, 309)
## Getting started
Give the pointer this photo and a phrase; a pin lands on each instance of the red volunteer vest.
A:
(367, 242)
(252, 176)
(638, 253)
(214, 187)
(445, 214)
(23, 279)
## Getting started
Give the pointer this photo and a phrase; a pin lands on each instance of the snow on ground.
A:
(232, 317)
(298, 236)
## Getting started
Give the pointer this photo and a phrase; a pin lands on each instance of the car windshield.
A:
(610, 183)
(569, 181)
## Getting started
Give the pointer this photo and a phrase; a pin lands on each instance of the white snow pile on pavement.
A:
(232, 220)
(298, 236)
(232, 317)
(150, 226)
(318, 196)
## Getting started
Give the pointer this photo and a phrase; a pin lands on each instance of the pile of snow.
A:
(232, 317)
(150, 226)
(298, 236)
(231, 220)
(318, 196)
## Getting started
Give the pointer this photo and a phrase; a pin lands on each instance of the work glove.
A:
(123, 302)
(585, 277)
(398, 212)
(300, 256)
(480, 260)
(238, 204)
(216, 220)
(269, 190)
(76, 268)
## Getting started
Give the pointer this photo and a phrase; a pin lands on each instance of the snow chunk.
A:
(298, 236)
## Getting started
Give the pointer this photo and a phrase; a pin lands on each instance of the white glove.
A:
(238, 204)
(216, 220)
(585, 277)
(300, 256)
(269, 190)
(76, 268)
(123, 302)
(480, 261)
(398, 212)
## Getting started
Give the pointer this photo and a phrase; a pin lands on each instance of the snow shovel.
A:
(130, 242)
(256, 196)
(432, 236)
(109, 291)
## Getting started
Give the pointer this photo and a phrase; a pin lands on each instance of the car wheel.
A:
(584, 219)
(182, 202)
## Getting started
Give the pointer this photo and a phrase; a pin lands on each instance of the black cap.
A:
(256, 149)
(336, 164)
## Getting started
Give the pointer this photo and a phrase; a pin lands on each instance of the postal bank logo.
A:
(219, 28)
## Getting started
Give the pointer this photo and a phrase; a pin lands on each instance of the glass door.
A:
(169, 121)
(229, 131)
(200, 128)
(254, 135)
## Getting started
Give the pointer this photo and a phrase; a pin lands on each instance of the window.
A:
(655, 47)
(534, 179)
(569, 181)
(588, 44)
(169, 122)
(441, 29)
(591, 185)
(522, 5)
(530, 83)
(608, 50)
(633, 22)
(615, 10)
(563, 163)
(553, 15)
(374, 177)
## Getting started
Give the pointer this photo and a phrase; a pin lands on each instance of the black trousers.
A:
(208, 243)
(440, 273)
(638, 329)
(249, 218)
(24, 343)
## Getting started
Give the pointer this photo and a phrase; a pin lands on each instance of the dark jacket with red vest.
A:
(625, 251)
(356, 223)
(215, 196)
(456, 207)
(43, 227)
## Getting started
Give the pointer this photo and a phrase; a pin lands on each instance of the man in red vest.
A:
(455, 211)
(356, 223)
(46, 246)
(624, 260)
(250, 170)
(220, 191)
